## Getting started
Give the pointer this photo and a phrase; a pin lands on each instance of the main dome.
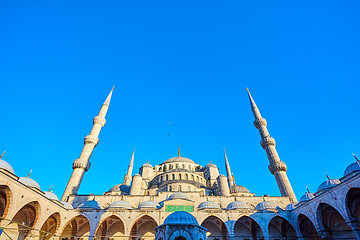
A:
(179, 159)
(182, 218)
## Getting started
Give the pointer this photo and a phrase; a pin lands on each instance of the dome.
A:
(4, 165)
(67, 205)
(147, 165)
(91, 204)
(149, 204)
(209, 205)
(211, 165)
(51, 195)
(29, 182)
(179, 195)
(179, 159)
(120, 188)
(238, 205)
(120, 204)
(329, 184)
(182, 218)
(238, 189)
(306, 197)
(265, 205)
(290, 207)
(354, 167)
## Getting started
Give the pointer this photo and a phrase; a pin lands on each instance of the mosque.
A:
(179, 199)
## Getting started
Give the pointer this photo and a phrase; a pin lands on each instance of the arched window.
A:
(164, 168)
(170, 167)
(176, 166)
(183, 166)
(186, 176)
(160, 169)
(173, 176)
(197, 179)
(179, 176)
(160, 178)
(170, 188)
(167, 177)
(179, 188)
(192, 177)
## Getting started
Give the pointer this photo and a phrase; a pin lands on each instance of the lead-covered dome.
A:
(149, 204)
(211, 165)
(238, 205)
(209, 205)
(265, 205)
(6, 166)
(181, 218)
(179, 195)
(290, 207)
(328, 184)
(51, 195)
(354, 167)
(67, 205)
(179, 159)
(238, 189)
(91, 204)
(120, 188)
(147, 165)
(29, 182)
(120, 204)
(306, 197)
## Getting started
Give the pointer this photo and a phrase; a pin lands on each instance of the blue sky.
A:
(184, 62)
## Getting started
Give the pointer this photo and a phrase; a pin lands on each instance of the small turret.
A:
(223, 185)
(136, 185)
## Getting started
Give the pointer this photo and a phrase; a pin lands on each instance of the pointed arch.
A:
(111, 227)
(5, 200)
(332, 223)
(280, 228)
(144, 227)
(352, 202)
(216, 228)
(77, 227)
(50, 226)
(247, 228)
(307, 228)
(181, 235)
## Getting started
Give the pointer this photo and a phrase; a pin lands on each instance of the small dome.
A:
(91, 204)
(354, 167)
(265, 205)
(181, 218)
(329, 184)
(306, 197)
(211, 165)
(120, 204)
(29, 182)
(120, 188)
(179, 195)
(149, 204)
(238, 205)
(209, 205)
(147, 165)
(238, 189)
(51, 195)
(179, 159)
(67, 205)
(4, 165)
(290, 207)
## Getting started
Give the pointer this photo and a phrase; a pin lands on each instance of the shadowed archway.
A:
(78, 227)
(307, 228)
(111, 228)
(216, 228)
(280, 228)
(50, 226)
(143, 228)
(247, 228)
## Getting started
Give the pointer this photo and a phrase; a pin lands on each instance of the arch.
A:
(50, 226)
(5, 200)
(197, 179)
(216, 228)
(247, 228)
(176, 166)
(183, 166)
(77, 227)
(181, 235)
(332, 223)
(167, 177)
(111, 227)
(352, 202)
(164, 168)
(170, 188)
(23, 221)
(161, 178)
(173, 176)
(179, 176)
(280, 228)
(143, 228)
(307, 228)
(192, 177)
(160, 169)
(186, 176)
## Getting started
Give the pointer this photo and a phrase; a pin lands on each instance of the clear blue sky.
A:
(189, 63)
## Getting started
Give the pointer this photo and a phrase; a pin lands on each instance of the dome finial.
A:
(50, 188)
(352, 154)
(327, 176)
(307, 189)
(5, 152)
(29, 174)
(179, 152)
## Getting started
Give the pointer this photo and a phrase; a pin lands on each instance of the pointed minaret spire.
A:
(277, 167)
(82, 164)
(128, 176)
(228, 170)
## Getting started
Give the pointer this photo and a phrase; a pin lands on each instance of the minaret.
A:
(277, 167)
(228, 171)
(82, 164)
(128, 176)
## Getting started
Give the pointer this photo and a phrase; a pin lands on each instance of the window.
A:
(179, 176)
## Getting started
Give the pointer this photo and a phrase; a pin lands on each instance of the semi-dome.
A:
(29, 182)
(6, 166)
(181, 218)
(209, 205)
(120, 188)
(265, 205)
(67, 205)
(306, 197)
(238, 205)
(290, 207)
(120, 204)
(51, 195)
(91, 204)
(354, 167)
(328, 184)
(179, 159)
(238, 189)
(179, 195)
(147, 165)
(149, 204)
